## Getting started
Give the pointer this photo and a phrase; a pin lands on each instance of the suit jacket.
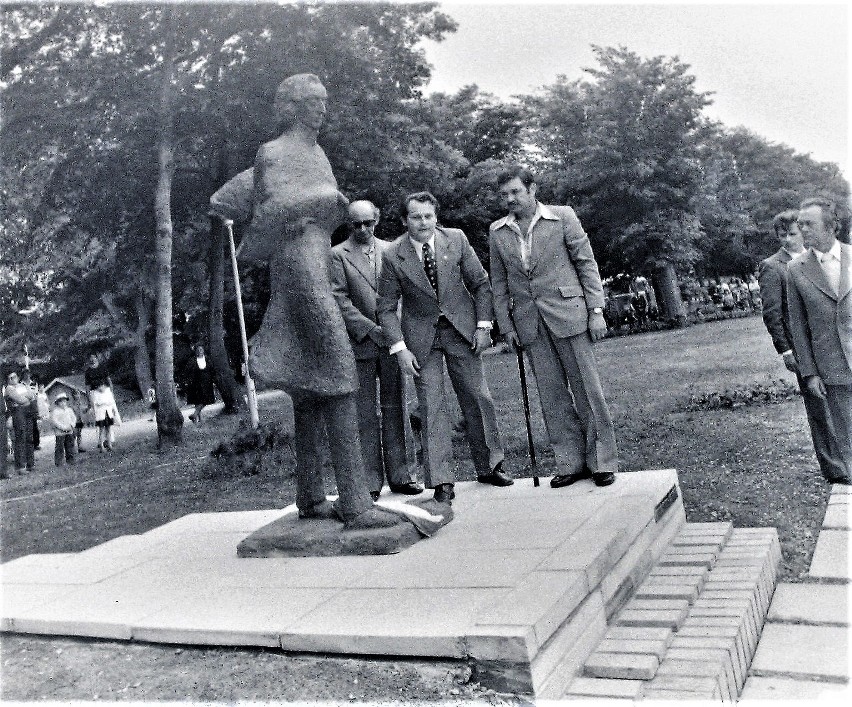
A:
(355, 287)
(820, 320)
(563, 282)
(465, 295)
(772, 276)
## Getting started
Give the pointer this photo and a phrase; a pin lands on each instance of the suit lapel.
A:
(443, 257)
(812, 270)
(411, 266)
(845, 281)
(511, 247)
(358, 259)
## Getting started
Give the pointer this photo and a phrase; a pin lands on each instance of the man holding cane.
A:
(548, 300)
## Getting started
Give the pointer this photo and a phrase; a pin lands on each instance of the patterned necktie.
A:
(430, 267)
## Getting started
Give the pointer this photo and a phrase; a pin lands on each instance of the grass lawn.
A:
(753, 465)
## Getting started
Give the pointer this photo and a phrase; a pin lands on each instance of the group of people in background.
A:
(24, 403)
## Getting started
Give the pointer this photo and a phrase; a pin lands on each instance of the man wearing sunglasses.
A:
(355, 267)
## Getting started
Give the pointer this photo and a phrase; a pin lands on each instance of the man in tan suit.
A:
(446, 317)
(355, 267)
(548, 300)
(819, 298)
(772, 276)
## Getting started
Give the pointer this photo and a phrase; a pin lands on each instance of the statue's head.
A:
(300, 99)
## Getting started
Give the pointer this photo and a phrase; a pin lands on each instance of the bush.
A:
(774, 391)
(250, 452)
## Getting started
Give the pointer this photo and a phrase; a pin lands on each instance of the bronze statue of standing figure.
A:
(302, 346)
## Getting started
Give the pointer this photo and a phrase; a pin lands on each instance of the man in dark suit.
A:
(772, 276)
(355, 267)
(819, 294)
(446, 317)
(548, 300)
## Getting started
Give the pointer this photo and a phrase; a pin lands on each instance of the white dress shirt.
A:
(831, 261)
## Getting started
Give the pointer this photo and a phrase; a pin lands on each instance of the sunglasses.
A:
(359, 224)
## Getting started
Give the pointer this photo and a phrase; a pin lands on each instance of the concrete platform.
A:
(522, 582)
(831, 556)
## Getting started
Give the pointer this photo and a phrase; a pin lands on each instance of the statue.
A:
(302, 345)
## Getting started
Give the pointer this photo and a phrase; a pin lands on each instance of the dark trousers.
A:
(22, 438)
(839, 398)
(4, 448)
(383, 437)
(823, 433)
(66, 448)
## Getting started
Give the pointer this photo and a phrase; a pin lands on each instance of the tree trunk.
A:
(141, 360)
(215, 329)
(665, 281)
(169, 416)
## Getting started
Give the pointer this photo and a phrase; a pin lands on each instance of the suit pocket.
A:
(571, 291)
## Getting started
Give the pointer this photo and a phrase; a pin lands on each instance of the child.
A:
(64, 421)
(106, 414)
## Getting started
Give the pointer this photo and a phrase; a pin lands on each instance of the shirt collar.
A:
(834, 251)
(418, 246)
(791, 253)
(541, 211)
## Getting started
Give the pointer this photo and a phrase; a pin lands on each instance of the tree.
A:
(623, 148)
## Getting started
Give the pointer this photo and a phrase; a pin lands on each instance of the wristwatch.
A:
(597, 310)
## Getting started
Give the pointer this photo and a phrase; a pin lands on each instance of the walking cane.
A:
(523, 373)
(252, 395)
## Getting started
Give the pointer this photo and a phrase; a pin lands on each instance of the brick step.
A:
(690, 630)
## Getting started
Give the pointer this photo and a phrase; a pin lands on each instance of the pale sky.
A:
(781, 70)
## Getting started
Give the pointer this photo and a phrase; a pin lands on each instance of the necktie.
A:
(430, 267)
(371, 256)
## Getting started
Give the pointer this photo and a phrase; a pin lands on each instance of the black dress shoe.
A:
(561, 480)
(496, 477)
(411, 488)
(603, 478)
(845, 480)
(375, 495)
(444, 493)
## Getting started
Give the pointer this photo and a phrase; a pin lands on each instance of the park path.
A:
(803, 651)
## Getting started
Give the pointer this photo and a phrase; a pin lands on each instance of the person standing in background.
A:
(819, 294)
(772, 277)
(199, 387)
(20, 401)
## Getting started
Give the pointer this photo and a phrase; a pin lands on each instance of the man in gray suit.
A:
(446, 317)
(355, 266)
(772, 276)
(819, 297)
(548, 300)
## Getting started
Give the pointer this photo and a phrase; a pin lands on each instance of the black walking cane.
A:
(523, 373)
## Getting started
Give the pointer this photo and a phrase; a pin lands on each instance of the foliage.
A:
(773, 391)
(622, 147)
(654, 183)
(251, 451)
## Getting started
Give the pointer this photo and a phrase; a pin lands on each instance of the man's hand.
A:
(815, 386)
(597, 326)
(514, 343)
(408, 363)
(481, 341)
(790, 362)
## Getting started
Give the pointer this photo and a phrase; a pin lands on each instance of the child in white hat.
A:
(64, 421)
